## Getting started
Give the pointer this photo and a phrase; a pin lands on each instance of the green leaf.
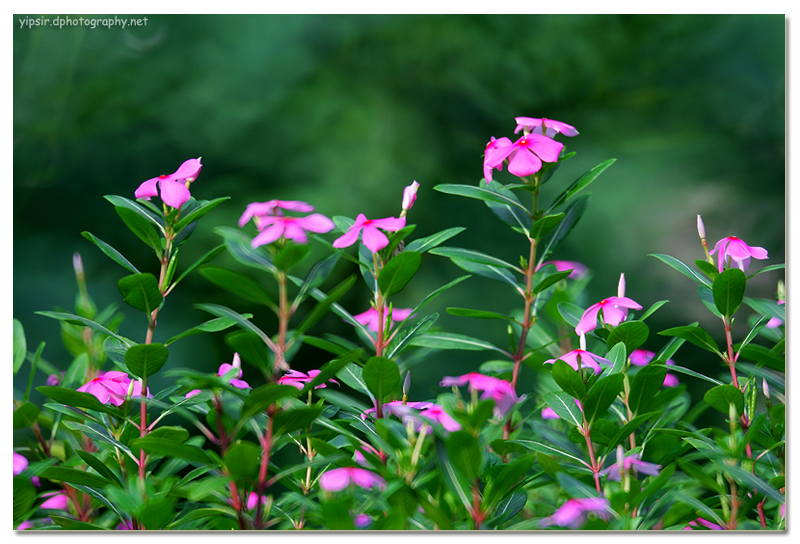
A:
(382, 377)
(405, 335)
(243, 459)
(99, 466)
(550, 280)
(78, 320)
(77, 399)
(20, 346)
(204, 206)
(291, 255)
(325, 303)
(601, 396)
(145, 360)
(568, 379)
(694, 334)
(140, 291)
(212, 325)
(444, 340)
(239, 319)
(565, 407)
(112, 253)
(208, 257)
(682, 267)
(546, 224)
(728, 290)
(262, 397)
(722, 396)
(75, 476)
(352, 376)
(479, 193)
(478, 314)
(572, 215)
(631, 333)
(25, 415)
(514, 215)
(23, 497)
(581, 183)
(652, 309)
(238, 244)
(464, 453)
(457, 253)
(297, 418)
(329, 369)
(769, 268)
(571, 313)
(421, 245)
(143, 228)
(238, 284)
(707, 268)
(617, 356)
(154, 446)
(644, 386)
(398, 272)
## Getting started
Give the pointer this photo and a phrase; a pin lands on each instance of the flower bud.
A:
(701, 228)
(621, 286)
(765, 387)
(407, 384)
(237, 362)
(410, 196)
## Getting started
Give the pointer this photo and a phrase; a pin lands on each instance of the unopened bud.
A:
(77, 265)
(583, 341)
(701, 228)
(407, 384)
(237, 361)
(765, 387)
(621, 286)
(410, 196)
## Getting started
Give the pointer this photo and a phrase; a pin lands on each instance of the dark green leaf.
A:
(23, 497)
(515, 215)
(238, 284)
(292, 420)
(581, 183)
(112, 253)
(244, 323)
(325, 304)
(291, 255)
(565, 407)
(212, 325)
(398, 272)
(77, 399)
(144, 360)
(204, 206)
(382, 377)
(99, 466)
(473, 257)
(481, 194)
(243, 459)
(154, 446)
(728, 290)
(25, 415)
(207, 258)
(644, 386)
(70, 524)
(422, 245)
(545, 225)
(682, 267)
(238, 244)
(722, 396)
(694, 334)
(550, 280)
(464, 453)
(144, 229)
(262, 397)
(78, 320)
(570, 312)
(568, 379)
(477, 314)
(444, 340)
(405, 335)
(329, 369)
(75, 476)
(632, 333)
(140, 291)
(707, 268)
(20, 345)
(601, 396)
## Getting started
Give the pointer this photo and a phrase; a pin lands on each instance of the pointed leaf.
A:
(631, 333)
(20, 346)
(722, 396)
(238, 284)
(140, 291)
(464, 453)
(112, 253)
(682, 267)
(382, 377)
(398, 272)
(568, 379)
(644, 386)
(694, 334)
(728, 290)
(572, 215)
(581, 183)
(444, 340)
(601, 396)
(421, 245)
(546, 224)
(238, 244)
(144, 360)
(565, 407)
(204, 206)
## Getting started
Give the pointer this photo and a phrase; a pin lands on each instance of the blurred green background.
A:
(345, 111)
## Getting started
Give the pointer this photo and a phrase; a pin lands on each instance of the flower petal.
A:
(374, 239)
(173, 193)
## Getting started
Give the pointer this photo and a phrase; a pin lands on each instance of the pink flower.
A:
(398, 408)
(252, 500)
(614, 472)
(359, 457)
(549, 413)
(704, 523)
(615, 310)
(20, 463)
(410, 196)
(775, 321)
(24, 525)
(339, 478)
(112, 387)
(417, 413)
(298, 379)
(489, 161)
(370, 318)
(362, 520)
(172, 188)
(641, 357)
(587, 358)
(737, 251)
(546, 127)
(437, 414)
(192, 393)
(224, 368)
(501, 391)
(53, 379)
(57, 501)
(525, 155)
(260, 210)
(273, 227)
(374, 239)
(573, 513)
(578, 269)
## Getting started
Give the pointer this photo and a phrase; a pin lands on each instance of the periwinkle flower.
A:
(362, 520)
(370, 318)
(112, 387)
(615, 310)
(580, 357)
(298, 379)
(252, 500)
(259, 210)
(735, 249)
(20, 463)
(171, 188)
(525, 155)
(632, 461)
(372, 238)
(573, 513)
(418, 414)
(274, 227)
(224, 368)
(700, 522)
(489, 162)
(57, 500)
(501, 391)
(545, 127)
(775, 322)
(339, 478)
(642, 357)
(410, 196)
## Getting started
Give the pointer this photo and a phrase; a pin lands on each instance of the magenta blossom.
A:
(641, 357)
(171, 188)
(546, 127)
(124, 526)
(259, 210)
(489, 161)
(57, 500)
(549, 413)
(298, 379)
(224, 368)
(615, 310)
(112, 387)
(573, 513)
(20, 463)
(252, 500)
(586, 358)
(398, 408)
(703, 523)
(374, 239)
(501, 391)
(614, 472)
(410, 196)
(437, 414)
(339, 478)
(578, 269)
(359, 457)
(274, 227)
(419, 414)
(362, 520)
(734, 249)
(525, 155)
(370, 318)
